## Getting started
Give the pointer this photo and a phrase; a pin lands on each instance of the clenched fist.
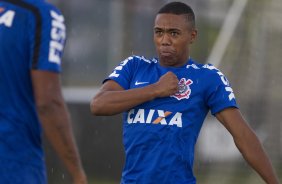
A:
(167, 85)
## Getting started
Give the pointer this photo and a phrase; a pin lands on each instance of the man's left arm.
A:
(56, 122)
(248, 143)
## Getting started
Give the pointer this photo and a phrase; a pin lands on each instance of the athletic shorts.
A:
(12, 172)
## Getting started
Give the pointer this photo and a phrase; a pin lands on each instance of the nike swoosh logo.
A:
(139, 83)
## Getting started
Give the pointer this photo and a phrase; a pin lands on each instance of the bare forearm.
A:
(248, 144)
(56, 123)
(255, 155)
(114, 102)
(113, 99)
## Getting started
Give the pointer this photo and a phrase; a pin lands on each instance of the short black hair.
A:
(179, 8)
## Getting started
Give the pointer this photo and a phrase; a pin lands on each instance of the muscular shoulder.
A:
(213, 77)
(51, 27)
(213, 72)
(208, 73)
(206, 70)
(210, 69)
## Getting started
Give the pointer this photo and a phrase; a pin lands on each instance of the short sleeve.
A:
(122, 74)
(220, 94)
(47, 38)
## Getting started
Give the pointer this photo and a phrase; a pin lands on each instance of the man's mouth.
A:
(166, 53)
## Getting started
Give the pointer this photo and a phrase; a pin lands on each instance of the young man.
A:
(32, 34)
(165, 102)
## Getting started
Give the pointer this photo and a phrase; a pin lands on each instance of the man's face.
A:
(172, 36)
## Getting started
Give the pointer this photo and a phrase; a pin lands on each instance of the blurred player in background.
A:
(32, 36)
(165, 101)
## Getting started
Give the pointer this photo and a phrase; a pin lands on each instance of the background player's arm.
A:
(247, 143)
(113, 99)
(55, 120)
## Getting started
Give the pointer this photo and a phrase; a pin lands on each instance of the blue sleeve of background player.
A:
(219, 92)
(123, 73)
(47, 38)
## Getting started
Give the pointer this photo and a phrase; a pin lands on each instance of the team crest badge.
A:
(184, 89)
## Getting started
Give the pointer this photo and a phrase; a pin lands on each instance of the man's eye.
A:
(173, 33)
(157, 32)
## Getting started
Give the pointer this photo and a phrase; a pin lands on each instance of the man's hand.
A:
(167, 85)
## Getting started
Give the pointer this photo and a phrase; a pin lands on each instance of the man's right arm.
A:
(113, 99)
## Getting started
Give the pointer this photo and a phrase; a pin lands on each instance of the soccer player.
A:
(165, 101)
(32, 36)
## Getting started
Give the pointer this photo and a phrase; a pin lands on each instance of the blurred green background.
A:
(101, 33)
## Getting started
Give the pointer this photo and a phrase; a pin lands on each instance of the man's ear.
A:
(194, 34)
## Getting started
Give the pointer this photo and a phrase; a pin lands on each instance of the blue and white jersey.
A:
(32, 36)
(159, 135)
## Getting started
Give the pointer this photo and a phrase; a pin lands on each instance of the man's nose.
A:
(166, 39)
